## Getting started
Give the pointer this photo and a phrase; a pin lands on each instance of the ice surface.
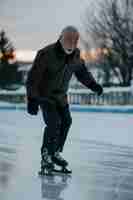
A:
(99, 149)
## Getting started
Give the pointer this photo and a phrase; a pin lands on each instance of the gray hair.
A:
(70, 29)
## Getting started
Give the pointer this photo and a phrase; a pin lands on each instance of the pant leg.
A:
(66, 122)
(51, 118)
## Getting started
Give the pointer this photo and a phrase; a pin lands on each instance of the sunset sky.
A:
(31, 24)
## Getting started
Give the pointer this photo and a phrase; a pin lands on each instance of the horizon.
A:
(24, 55)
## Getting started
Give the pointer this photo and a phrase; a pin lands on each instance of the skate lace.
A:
(49, 160)
(58, 156)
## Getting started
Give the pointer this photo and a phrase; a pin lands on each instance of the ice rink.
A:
(99, 149)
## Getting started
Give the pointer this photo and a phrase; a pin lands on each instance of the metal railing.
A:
(111, 98)
(82, 97)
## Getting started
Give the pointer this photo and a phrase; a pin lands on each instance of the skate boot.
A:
(63, 170)
(59, 160)
(47, 164)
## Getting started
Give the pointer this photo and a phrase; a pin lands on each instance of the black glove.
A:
(32, 106)
(98, 89)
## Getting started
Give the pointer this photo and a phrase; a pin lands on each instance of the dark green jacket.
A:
(51, 72)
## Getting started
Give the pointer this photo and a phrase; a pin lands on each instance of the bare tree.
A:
(10, 77)
(6, 47)
(112, 29)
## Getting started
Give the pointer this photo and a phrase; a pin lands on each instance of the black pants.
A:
(58, 121)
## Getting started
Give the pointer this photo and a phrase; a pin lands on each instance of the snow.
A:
(22, 90)
(99, 149)
(106, 90)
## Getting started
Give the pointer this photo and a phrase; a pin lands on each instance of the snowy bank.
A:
(111, 96)
(22, 90)
(76, 108)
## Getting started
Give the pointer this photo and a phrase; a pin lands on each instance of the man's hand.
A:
(98, 89)
(32, 106)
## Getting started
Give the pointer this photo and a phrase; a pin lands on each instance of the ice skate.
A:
(59, 160)
(62, 170)
(47, 164)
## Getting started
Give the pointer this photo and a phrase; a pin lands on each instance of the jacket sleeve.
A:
(35, 75)
(83, 75)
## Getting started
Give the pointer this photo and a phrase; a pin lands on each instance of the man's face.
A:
(69, 41)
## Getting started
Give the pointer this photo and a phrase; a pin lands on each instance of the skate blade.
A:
(61, 172)
(45, 174)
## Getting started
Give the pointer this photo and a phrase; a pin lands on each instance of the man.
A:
(47, 86)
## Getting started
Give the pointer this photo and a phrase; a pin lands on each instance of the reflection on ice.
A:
(6, 176)
(7, 163)
(5, 171)
(52, 186)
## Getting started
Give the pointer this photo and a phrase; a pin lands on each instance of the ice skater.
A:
(47, 85)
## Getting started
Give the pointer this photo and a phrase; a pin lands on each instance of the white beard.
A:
(68, 52)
